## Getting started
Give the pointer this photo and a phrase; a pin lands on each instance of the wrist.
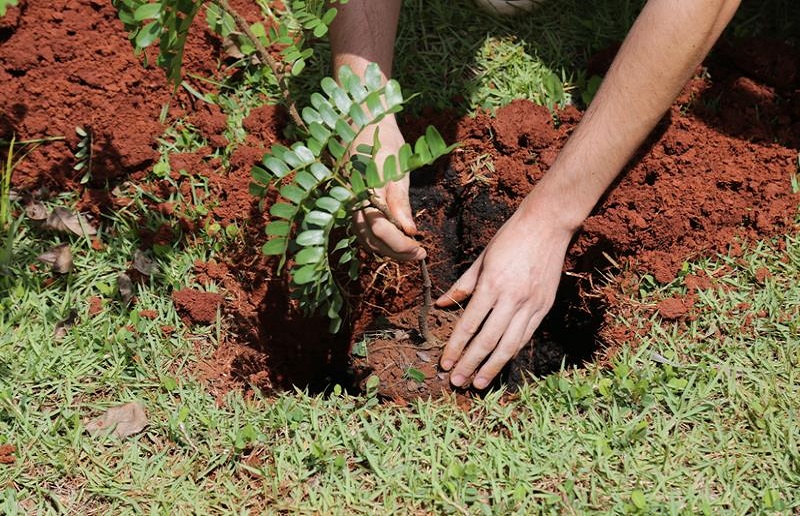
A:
(557, 204)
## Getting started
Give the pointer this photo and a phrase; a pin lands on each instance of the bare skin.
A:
(514, 281)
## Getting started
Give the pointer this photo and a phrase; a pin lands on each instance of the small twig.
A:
(427, 302)
(241, 22)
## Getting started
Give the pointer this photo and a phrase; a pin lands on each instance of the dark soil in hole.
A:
(717, 169)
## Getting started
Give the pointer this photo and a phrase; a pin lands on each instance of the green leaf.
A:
(320, 171)
(317, 130)
(148, 34)
(435, 141)
(298, 67)
(305, 274)
(345, 257)
(393, 94)
(357, 182)
(278, 228)
(415, 374)
(311, 237)
(79, 166)
(292, 193)
(306, 181)
(341, 194)
(390, 172)
(373, 77)
(80, 131)
(277, 166)
(358, 116)
(422, 150)
(309, 255)
(260, 175)
(318, 218)
(328, 204)
(375, 104)
(335, 325)
(404, 157)
(373, 178)
(256, 190)
(311, 116)
(292, 159)
(304, 153)
(147, 11)
(336, 149)
(343, 244)
(638, 499)
(275, 246)
(283, 210)
(329, 15)
(344, 131)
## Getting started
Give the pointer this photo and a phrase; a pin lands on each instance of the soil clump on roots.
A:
(716, 169)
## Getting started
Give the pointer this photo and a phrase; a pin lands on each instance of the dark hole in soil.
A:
(5, 34)
(568, 336)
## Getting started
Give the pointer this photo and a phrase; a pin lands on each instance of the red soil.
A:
(715, 170)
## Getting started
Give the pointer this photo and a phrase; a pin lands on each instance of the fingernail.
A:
(447, 364)
(457, 380)
(480, 382)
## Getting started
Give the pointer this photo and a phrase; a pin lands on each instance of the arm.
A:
(511, 290)
(363, 32)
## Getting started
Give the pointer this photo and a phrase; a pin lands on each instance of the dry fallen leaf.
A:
(35, 210)
(63, 326)
(125, 287)
(61, 219)
(14, 195)
(231, 47)
(126, 420)
(60, 257)
(144, 263)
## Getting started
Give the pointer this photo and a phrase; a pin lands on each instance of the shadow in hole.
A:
(568, 336)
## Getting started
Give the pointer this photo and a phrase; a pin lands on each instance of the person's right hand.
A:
(373, 229)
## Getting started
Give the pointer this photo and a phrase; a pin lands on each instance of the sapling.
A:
(321, 179)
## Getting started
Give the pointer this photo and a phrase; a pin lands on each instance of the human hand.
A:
(373, 229)
(513, 285)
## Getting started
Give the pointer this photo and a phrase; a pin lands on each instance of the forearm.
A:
(667, 42)
(364, 32)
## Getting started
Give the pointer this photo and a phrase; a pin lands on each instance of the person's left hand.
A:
(513, 285)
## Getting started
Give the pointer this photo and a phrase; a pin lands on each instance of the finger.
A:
(483, 344)
(512, 341)
(467, 326)
(463, 287)
(382, 237)
(399, 204)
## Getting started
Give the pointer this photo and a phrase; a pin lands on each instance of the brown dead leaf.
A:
(125, 287)
(35, 210)
(231, 47)
(144, 263)
(63, 326)
(62, 219)
(60, 257)
(125, 420)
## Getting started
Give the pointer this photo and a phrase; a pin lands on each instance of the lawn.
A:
(696, 414)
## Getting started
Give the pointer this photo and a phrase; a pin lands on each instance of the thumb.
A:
(398, 203)
(462, 288)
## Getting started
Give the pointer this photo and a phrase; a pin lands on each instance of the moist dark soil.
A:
(715, 171)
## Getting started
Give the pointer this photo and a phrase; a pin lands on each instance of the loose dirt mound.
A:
(716, 169)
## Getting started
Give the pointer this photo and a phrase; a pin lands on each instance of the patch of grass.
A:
(713, 432)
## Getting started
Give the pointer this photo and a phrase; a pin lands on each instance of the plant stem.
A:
(427, 301)
(241, 22)
(426, 304)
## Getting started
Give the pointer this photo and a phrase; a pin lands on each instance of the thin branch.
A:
(427, 301)
(265, 57)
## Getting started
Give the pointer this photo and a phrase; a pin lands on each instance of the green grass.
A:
(714, 432)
